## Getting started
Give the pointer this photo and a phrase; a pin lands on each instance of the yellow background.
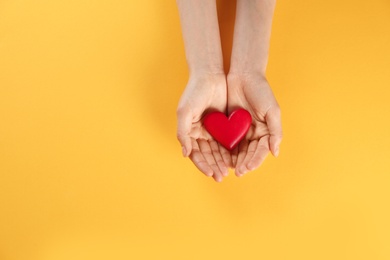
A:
(90, 167)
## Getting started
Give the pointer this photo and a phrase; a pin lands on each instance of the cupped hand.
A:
(203, 93)
(253, 93)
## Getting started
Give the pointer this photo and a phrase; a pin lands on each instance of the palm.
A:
(255, 95)
(203, 95)
(202, 102)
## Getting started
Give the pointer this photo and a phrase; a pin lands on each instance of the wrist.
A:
(252, 72)
(248, 75)
(206, 67)
(207, 72)
(207, 80)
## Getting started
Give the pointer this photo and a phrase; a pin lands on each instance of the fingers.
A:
(218, 157)
(243, 168)
(208, 158)
(208, 154)
(251, 155)
(226, 156)
(198, 159)
(242, 151)
(259, 155)
(184, 122)
(234, 155)
(275, 128)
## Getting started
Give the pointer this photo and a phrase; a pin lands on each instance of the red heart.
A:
(228, 131)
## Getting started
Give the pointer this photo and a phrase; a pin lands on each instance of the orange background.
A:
(89, 163)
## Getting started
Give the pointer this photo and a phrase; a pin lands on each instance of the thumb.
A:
(184, 122)
(275, 128)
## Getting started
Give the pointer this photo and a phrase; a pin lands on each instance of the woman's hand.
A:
(253, 93)
(248, 87)
(206, 92)
(206, 89)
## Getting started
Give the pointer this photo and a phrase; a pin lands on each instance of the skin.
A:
(203, 93)
(253, 93)
(210, 89)
(248, 87)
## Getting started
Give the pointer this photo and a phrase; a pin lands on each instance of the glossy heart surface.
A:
(228, 131)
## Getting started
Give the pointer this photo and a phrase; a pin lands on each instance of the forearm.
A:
(200, 30)
(252, 34)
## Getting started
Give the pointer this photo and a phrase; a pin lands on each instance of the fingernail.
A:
(183, 149)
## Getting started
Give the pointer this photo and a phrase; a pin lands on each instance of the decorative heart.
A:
(228, 131)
